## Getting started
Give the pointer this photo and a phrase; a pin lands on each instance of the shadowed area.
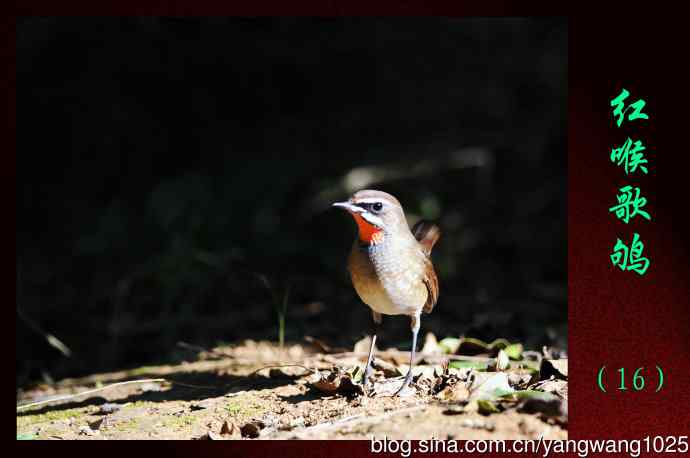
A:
(176, 176)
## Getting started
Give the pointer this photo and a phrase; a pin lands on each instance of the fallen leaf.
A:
(328, 382)
(431, 345)
(230, 430)
(335, 381)
(514, 351)
(471, 346)
(532, 394)
(519, 379)
(460, 372)
(356, 374)
(327, 385)
(454, 393)
(251, 429)
(349, 387)
(363, 345)
(389, 370)
(449, 345)
(486, 407)
(502, 361)
(556, 367)
(558, 387)
(478, 365)
(493, 387)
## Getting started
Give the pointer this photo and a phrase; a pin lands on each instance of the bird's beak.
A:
(349, 207)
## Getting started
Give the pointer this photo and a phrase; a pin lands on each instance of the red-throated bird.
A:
(390, 265)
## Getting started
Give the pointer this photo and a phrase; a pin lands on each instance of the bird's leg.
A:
(415, 331)
(375, 328)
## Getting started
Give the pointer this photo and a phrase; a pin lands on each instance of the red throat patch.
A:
(368, 233)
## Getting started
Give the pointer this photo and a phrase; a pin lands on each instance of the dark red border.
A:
(615, 318)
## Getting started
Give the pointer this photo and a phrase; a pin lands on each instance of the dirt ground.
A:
(309, 391)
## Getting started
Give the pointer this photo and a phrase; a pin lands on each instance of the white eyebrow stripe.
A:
(375, 220)
(369, 200)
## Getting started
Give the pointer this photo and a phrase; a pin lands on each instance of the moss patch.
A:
(128, 424)
(243, 408)
(181, 421)
(26, 421)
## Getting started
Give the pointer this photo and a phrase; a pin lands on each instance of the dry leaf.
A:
(326, 385)
(335, 381)
(502, 361)
(431, 344)
(363, 345)
(230, 430)
(492, 387)
(389, 370)
(558, 387)
(251, 429)
(454, 393)
(556, 367)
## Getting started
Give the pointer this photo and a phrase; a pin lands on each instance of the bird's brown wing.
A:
(431, 282)
(427, 234)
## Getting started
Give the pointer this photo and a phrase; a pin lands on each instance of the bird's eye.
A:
(377, 206)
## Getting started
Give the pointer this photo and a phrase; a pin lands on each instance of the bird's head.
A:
(378, 215)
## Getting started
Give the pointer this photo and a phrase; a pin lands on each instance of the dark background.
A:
(175, 176)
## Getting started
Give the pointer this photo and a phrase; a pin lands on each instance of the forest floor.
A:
(258, 390)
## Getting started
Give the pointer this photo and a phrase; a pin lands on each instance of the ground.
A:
(257, 390)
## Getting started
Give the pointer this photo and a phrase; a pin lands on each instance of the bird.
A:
(390, 265)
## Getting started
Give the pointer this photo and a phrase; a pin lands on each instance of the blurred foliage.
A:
(165, 165)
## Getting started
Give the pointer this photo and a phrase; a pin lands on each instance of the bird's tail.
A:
(427, 234)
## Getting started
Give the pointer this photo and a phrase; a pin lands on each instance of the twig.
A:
(152, 380)
(95, 390)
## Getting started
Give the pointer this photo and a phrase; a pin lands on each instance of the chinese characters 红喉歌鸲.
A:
(621, 109)
(630, 202)
(630, 258)
(630, 156)
(629, 205)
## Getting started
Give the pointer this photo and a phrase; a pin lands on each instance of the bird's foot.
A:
(365, 380)
(406, 383)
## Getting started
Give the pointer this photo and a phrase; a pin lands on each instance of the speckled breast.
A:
(386, 284)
